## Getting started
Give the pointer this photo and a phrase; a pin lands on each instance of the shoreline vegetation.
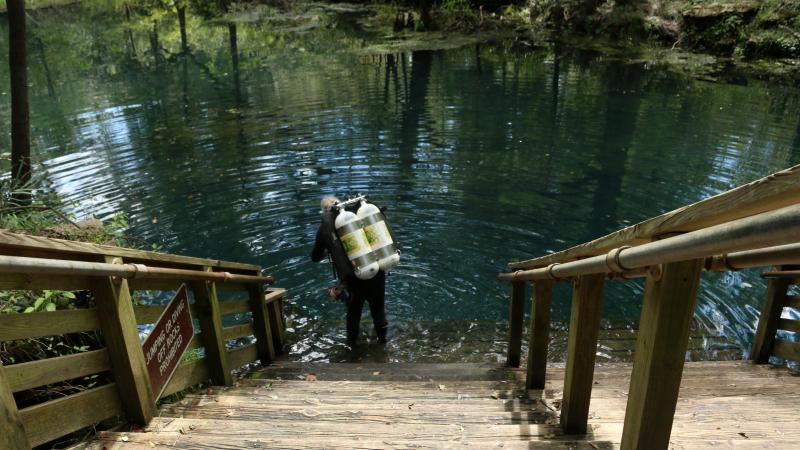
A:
(707, 39)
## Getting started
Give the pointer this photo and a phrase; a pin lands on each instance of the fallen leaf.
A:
(441, 387)
(125, 438)
(192, 427)
(181, 431)
(744, 435)
(311, 376)
(376, 373)
(274, 397)
(594, 445)
(409, 406)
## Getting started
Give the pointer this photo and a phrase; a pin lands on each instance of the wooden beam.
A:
(666, 319)
(10, 281)
(118, 323)
(33, 374)
(539, 333)
(792, 301)
(151, 313)
(38, 324)
(771, 309)
(47, 421)
(187, 375)
(515, 319)
(789, 325)
(276, 324)
(229, 307)
(584, 327)
(261, 325)
(787, 350)
(277, 319)
(771, 192)
(12, 428)
(237, 331)
(274, 294)
(15, 241)
(208, 314)
(243, 355)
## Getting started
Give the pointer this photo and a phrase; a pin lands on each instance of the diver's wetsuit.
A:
(371, 291)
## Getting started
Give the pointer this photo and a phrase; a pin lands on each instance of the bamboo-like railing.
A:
(111, 273)
(754, 225)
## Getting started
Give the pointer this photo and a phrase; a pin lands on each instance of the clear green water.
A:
(483, 154)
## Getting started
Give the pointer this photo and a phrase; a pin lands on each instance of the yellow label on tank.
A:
(378, 235)
(355, 244)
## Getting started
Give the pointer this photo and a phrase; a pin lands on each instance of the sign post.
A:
(165, 345)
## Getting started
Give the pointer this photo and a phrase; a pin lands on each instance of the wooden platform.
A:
(722, 405)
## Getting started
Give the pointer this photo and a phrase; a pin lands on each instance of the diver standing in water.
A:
(360, 248)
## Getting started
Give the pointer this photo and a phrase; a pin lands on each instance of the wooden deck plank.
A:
(720, 405)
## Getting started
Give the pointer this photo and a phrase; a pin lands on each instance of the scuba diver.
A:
(344, 237)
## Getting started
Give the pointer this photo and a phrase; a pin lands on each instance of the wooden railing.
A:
(115, 317)
(754, 225)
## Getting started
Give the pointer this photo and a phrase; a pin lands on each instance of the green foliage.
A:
(385, 13)
(205, 8)
(457, 14)
(772, 42)
(48, 300)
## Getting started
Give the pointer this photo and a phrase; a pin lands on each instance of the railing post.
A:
(275, 309)
(666, 319)
(771, 311)
(539, 333)
(207, 304)
(515, 319)
(261, 326)
(118, 324)
(584, 327)
(12, 430)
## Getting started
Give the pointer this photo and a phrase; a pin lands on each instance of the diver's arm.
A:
(319, 247)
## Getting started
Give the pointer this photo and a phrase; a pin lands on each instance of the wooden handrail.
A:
(769, 256)
(765, 229)
(771, 192)
(24, 265)
(26, 243)
(754, 225)
(36, 263)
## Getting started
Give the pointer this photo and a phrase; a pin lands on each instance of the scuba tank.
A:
(378, 236)
(354, 240)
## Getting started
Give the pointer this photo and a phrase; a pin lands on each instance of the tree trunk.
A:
(20, 116)
(235, 59)
(182, 21)
(154, 45)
